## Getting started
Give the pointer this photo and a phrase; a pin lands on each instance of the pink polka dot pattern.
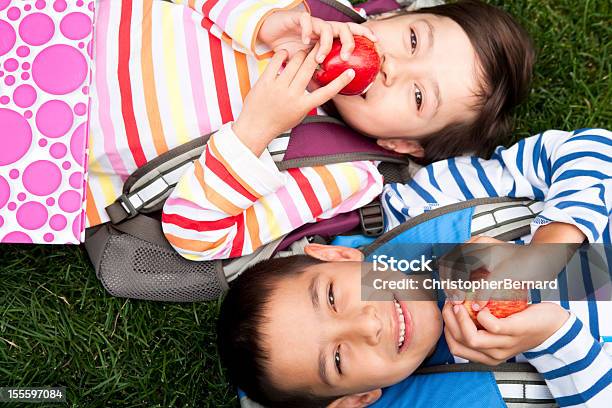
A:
(42, 178)
(54, 118)
(45, 74)
(36, 29)
(59, 69)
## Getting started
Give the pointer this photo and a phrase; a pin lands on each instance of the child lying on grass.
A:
(294, 331)
(168, 73)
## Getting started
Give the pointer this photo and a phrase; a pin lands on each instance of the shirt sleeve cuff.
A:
(258, 174)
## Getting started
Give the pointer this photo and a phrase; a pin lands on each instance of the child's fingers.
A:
(306, 24)
(358, 29)
(326, 37)
(324, 94)
(306, 70)
(347, 40)
(478, 339)
(292, 68)
(450, 321)
(274, 66)
(459, 350)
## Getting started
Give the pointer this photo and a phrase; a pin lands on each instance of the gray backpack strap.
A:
(520, 384)
(146, 190)
(503, 218)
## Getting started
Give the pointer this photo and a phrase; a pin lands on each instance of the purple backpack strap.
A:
(321, 140)
(332, 10)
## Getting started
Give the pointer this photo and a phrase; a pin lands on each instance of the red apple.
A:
(364, 60)
(505, 303)
(517, 300)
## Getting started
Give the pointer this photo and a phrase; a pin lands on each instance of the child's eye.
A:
(413, 40)
(337, 360)
(331, 297)
(418, 97)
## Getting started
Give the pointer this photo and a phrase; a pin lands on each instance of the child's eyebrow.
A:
(314, 293)
(314, 298)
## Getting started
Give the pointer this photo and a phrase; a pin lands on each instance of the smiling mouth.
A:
(401, 319)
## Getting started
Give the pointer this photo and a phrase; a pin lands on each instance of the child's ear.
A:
(333, 253)
(402, 146)
(357, 400)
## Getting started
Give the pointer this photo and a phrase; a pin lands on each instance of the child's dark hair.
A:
(239, 337)
(506, 55)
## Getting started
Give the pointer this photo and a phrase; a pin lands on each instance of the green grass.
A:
(59, 328)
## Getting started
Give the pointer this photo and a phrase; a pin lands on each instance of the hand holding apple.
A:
(501, 338)
(364, 60)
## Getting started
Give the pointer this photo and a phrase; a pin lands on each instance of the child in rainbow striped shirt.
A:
(177, 71)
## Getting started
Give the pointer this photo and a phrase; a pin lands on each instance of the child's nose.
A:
(396, 68)
(366, 326)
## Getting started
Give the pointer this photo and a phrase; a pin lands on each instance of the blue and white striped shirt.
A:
(571, 172)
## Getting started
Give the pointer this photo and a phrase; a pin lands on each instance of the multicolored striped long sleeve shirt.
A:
(166, 73)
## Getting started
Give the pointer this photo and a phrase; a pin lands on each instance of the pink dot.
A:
(32, 215)
(1, 74)
(26, 65)
(58, 150)
(17, 237)
(70, 201)
(11, 64)
(58, 222)
(59, 6)
(14, 174)
(79, 3)
(54, 118)
(25, 76)
(40, 4)
(66, 165)
(85, 90)
(27, 114)
(80, 109)
(17, 127)
(4, 4)
(42, 142)
(77, 144)
(42, 178)
(90, 6)
(81, 45)
(23, 51)
(11, 206)
(13, 13)
(59, 69)
(21, 196)
(50, 201)
(24, 96)
(4, 99)
(36, 29)
(5, 191)
(76, 180)
(9, 80)
(77, 224)
(48, 237)
(27, 7)
(75, 26)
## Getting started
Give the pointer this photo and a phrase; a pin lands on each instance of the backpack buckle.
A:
(121, 210)
(372, 219)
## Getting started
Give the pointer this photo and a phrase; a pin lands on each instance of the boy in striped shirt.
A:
(295, 331)
(167, 72)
